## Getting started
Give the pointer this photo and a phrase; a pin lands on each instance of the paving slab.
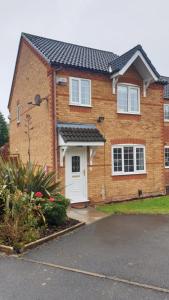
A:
(24, 280)
(131, 247)
(88, 215)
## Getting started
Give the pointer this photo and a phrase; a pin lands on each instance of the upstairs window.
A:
(80, 91)
(18, 117)
(166, 154)
(128, 159)
(166, 112)
(128, 99)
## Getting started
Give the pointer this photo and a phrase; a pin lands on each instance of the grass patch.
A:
(158, 205)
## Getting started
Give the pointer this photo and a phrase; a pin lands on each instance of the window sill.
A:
(80, 105)
(128, 113)
(131, 173)
(136, 176)
(166, 121)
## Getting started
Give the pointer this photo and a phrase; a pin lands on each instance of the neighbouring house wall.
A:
(32, 77)
(147, 129)
(166, 143)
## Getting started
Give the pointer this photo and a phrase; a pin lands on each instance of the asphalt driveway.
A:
(133, 248)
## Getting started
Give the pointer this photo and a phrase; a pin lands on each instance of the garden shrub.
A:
(28, 178)
(29, 202)
(55, 210)
(19, 220)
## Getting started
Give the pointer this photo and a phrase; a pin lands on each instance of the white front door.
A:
(76, 174)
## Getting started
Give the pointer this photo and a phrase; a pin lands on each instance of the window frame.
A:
(129, 86)
(135, 146)
(165, 120)
(165, 147)
(18, 113)
(70, 92)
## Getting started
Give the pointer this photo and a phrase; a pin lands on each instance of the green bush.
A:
(19, 220)
(53, 209)
(29, 202)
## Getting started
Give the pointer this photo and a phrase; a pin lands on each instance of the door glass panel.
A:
(75, 164)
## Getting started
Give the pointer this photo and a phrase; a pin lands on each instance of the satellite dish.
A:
(37, 100)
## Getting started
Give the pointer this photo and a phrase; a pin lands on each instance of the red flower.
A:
(51, 199)
(38, 194)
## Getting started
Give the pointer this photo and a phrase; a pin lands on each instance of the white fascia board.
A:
(62, 143)
(84, 144)
(131, 61)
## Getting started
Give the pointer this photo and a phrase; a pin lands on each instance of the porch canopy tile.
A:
(79, 133)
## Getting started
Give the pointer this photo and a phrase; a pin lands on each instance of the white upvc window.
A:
(128, 99)
(166, 156)
(18, 113)
(128, 159)
(80, 91)
(166, 112)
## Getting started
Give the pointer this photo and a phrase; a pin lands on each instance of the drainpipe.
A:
(55, 154)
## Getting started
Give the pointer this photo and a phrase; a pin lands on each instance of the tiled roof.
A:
(61, 53)
(121, 61)
(56, 52)
(166, 87)
(80, 133)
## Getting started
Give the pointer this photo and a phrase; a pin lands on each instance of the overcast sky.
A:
(111, 25)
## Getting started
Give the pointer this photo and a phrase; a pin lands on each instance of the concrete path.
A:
(87, 215)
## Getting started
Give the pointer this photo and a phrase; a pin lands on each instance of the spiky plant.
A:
(28, 178)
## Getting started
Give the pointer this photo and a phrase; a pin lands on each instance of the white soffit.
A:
(141, 65)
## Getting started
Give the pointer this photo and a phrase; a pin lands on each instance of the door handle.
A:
(84, 172)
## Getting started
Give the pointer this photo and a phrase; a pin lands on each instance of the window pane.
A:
(166, 157)
(128, 159)
(139, 159)
(134, 105)
(85, 92)
(122, 98)
(117, 159)
(166, 112)
(75, 90)
(75, 163)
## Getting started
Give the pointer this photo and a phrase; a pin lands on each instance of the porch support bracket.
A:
(63, 150)
(92, 155)
(114, 83)
(146, 84)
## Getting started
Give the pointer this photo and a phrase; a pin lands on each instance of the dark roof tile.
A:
(77, 134)
(166, 86)
(118, 63)
(57, 52)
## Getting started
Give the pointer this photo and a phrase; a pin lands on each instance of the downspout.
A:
(55, 154)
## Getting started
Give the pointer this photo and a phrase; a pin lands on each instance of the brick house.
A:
(99, 122)
(166, 132)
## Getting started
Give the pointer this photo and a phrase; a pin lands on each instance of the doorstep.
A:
(84, 204)
(88, 215)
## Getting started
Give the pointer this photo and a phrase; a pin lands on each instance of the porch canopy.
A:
(76, 134)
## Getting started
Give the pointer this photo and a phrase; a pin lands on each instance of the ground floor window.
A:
(128, 159)
(166, 156)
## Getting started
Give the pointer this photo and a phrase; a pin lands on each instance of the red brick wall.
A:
(166, 143)
(32, 77)
(146, 128)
